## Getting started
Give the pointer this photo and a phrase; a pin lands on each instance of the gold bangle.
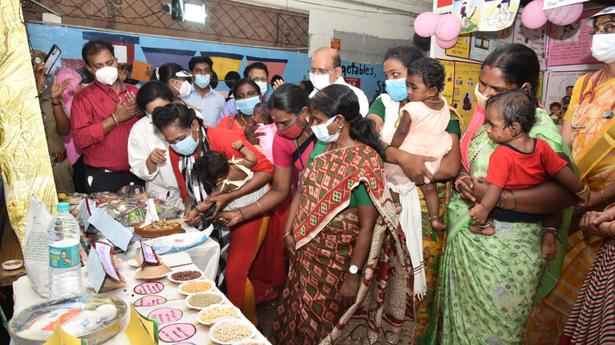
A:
(606, 203)
(243, 217)
(286, 234)
(582, 191)
(117, 124)
(260, 207)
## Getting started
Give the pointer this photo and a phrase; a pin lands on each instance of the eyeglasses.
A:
(319, 71)
(605, 28)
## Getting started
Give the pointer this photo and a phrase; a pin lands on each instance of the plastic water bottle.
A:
(64, 260)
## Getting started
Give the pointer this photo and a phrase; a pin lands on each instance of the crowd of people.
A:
(383, 223)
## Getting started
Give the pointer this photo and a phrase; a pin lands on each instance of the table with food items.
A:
(173, 285)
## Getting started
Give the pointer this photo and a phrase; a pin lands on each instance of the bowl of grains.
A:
(231, 331)
(196, 286)
(216, 312)
(203, 299)
(179, 277)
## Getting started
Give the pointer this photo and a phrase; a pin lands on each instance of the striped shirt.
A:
(91, 106)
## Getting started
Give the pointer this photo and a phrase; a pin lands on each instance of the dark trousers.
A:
(104, 180)
(79, 176)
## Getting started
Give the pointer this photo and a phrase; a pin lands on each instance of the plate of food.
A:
(231, 331)
(196, 286)
(180, 277)
(203, 300)
(152, 272)
(216, 312)
(95, 319)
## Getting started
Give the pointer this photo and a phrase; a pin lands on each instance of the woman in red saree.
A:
(188, 139)
(350, 280)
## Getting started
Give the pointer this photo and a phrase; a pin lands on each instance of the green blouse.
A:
(359, 196)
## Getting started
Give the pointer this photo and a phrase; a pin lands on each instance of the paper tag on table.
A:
(110, 228)
(96, 272)
(85, 210)
(141, 330)
(151, 214)
(60, 337)
(36, 251)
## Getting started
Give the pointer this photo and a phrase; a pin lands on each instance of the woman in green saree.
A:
(489, 283)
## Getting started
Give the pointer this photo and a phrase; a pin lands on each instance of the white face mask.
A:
(262, 85)
(185, 89)
(320, 81)
(322, 132)
(481, 100)
(603, 47)
(107, 75)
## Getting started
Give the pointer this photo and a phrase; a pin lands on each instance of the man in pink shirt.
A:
(102, 115)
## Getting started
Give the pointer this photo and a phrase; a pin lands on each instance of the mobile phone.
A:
(51, 58)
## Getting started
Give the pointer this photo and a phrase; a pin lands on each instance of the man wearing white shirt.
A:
(203, 97)
(326, 69)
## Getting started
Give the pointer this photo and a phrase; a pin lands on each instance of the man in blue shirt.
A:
(203, 97)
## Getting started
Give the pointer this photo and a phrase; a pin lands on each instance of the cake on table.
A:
(157, 229)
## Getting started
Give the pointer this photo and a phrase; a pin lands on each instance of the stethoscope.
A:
(607, 114)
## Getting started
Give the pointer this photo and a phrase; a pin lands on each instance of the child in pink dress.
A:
(422, 129)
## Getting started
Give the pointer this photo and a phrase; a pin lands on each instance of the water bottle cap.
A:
(63, 207)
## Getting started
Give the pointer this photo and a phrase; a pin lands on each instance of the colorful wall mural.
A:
(154, 50)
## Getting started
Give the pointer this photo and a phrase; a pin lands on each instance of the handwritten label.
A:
(177, 332)
(96, 272)
(104, 254)
(150, 301)
(149, 256)
(149, 288)
(166, 315)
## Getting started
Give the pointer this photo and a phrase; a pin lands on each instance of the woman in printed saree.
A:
(588, 128)
(189, 139)
(350, 280)
(488, 283)
(592, 319)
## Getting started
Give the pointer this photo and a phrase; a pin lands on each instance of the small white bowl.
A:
(191, 306)
(205, 310)
(181, 286)
(224, 323)
(184, 281)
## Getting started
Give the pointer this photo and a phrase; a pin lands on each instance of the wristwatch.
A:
(354, 269)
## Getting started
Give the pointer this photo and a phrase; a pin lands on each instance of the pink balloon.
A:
(448, 27)
(446, 44)
(533, 16)
(565, 15)
(425, 24)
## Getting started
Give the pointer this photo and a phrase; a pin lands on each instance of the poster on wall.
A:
(485, 15)
(571, 44)
(548, 4)
(556, 85)
(483, 43)
(533, 38)
(449, 80)
(465, 79)
(462, 48)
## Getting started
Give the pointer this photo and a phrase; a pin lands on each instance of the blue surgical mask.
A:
(322, 132)
(246, 105)
(397, 89)
(202, 80)
(185, 147)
